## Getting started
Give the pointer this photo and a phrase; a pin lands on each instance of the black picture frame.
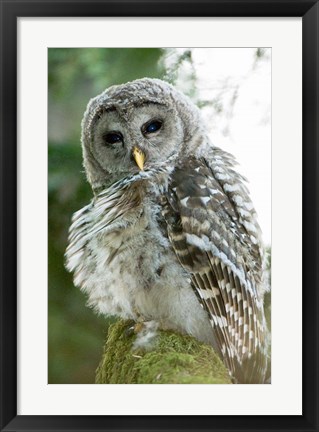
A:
(10, 11)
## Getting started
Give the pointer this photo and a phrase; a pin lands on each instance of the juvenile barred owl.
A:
(171, 233)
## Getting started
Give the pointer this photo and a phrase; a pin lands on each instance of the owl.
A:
(171, 234)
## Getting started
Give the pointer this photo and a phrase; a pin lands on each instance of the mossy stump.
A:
(173, 359)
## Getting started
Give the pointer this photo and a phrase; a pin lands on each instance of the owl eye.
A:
(113, 138)
(152, 126)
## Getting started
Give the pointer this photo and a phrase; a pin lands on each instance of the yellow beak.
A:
(139, 157)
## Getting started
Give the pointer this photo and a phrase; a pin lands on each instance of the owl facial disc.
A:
(139, 158)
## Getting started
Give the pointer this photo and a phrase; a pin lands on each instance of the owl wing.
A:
(216, 239)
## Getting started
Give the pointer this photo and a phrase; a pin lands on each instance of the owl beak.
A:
(139, 157)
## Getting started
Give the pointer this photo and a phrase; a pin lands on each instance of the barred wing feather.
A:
(220, 248)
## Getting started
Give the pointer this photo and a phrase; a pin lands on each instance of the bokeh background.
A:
(233, 89)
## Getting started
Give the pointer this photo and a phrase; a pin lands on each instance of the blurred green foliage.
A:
(76, 334)
(70, 69)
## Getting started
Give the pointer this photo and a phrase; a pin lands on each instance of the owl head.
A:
(136, 126)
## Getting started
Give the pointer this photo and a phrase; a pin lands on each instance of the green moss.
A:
(174, 359)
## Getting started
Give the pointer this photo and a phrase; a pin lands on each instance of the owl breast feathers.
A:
(171, 234)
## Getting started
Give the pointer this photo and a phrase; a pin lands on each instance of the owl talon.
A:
(139, 327)
(130, 331)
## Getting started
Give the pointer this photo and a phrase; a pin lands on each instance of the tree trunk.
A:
(172, 359)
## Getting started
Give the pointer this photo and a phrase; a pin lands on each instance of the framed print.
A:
(252, 68)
